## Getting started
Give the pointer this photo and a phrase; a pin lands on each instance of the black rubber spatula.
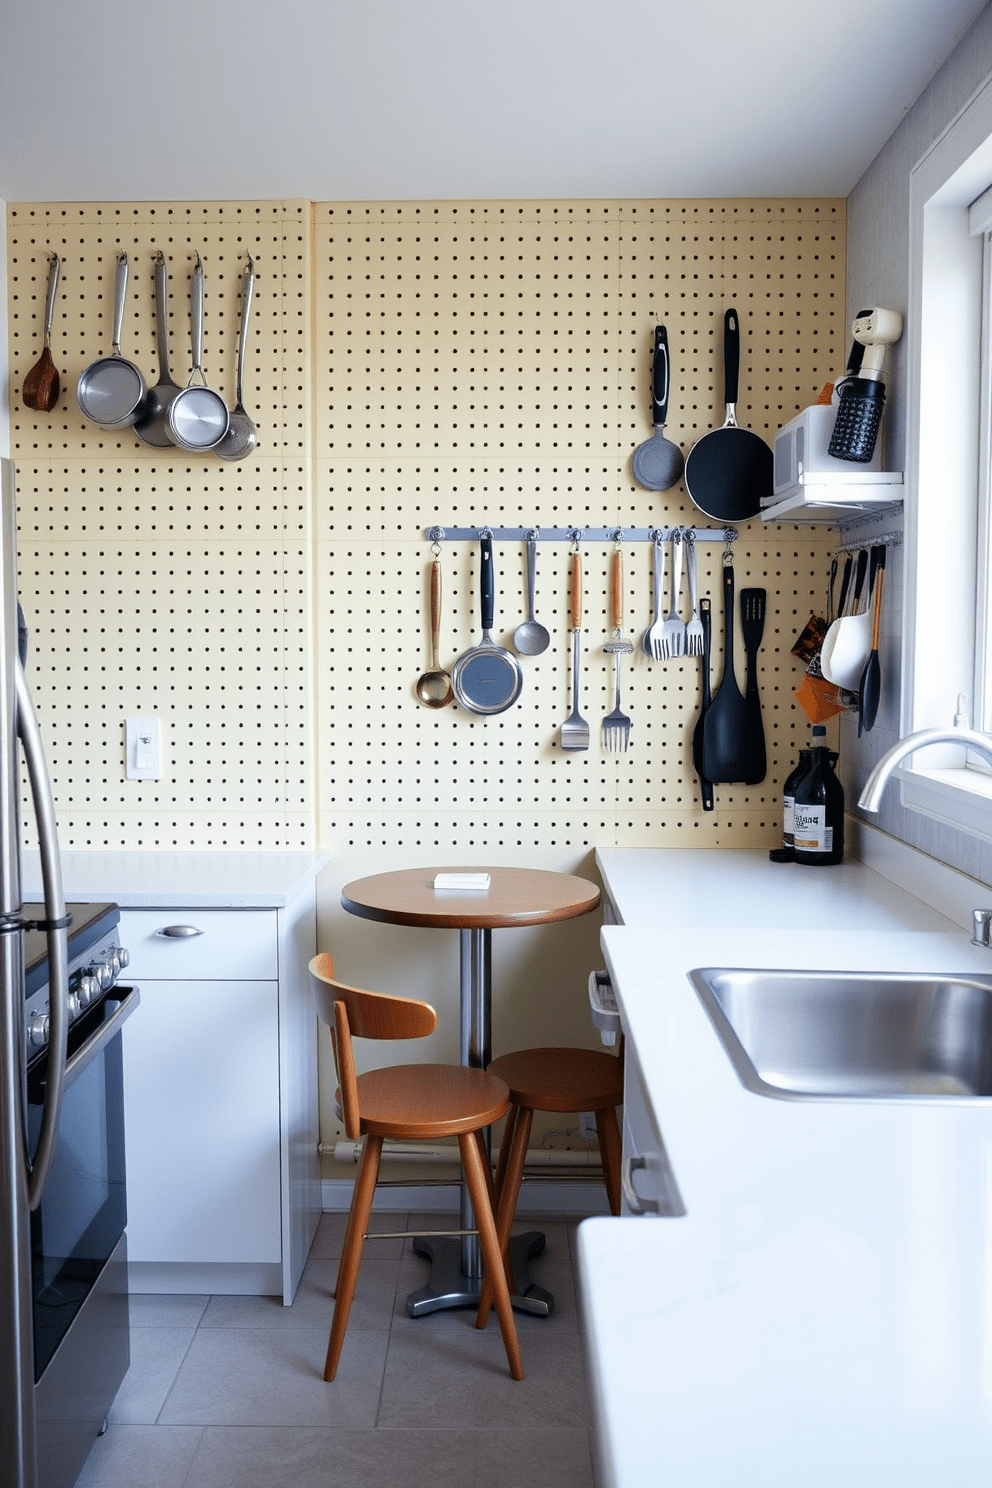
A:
(733, 740)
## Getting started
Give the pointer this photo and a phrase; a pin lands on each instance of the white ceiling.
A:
(338, 100)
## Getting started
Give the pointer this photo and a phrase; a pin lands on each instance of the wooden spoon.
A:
(41, 386)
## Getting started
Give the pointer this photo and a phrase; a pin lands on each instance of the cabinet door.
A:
(647, 1182)
(201, 1096)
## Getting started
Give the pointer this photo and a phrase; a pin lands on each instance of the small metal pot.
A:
(111, 392)
(198, 418)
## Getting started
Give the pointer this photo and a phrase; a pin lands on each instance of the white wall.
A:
(878, 274)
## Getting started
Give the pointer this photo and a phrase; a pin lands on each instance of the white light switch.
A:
(143, 748)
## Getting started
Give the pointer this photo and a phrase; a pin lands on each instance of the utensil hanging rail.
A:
(582, 534)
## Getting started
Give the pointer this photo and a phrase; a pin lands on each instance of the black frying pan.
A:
(730, 469)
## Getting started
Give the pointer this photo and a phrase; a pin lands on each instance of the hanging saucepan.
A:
(730, 469)
(111, 392)
(487, 678)
(198, 417)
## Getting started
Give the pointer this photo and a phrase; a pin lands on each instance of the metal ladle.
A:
(434, 688)
(241, 435)
(530, 637)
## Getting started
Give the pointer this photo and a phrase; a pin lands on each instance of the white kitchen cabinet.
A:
(221, 1098)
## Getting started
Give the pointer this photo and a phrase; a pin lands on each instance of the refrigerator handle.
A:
(55, 923)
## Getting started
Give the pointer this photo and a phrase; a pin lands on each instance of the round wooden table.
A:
(515, 897)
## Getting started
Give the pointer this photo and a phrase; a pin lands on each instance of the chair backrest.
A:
(350, 1013)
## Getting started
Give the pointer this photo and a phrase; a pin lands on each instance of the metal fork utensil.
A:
(616, 725)
(673, 631)
(575, 729)
(694, 625)
(652, 642)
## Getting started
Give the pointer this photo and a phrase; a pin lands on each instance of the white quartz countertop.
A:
(822, 1313)
(200, 880)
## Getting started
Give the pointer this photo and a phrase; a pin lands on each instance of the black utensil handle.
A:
(728, 621)
(731, 356)
(845, 581)
(661, 377)
(487, 591)
(706, 616)
(859, 578)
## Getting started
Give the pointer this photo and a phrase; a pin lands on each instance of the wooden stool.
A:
(413, 1103)
(552, 1080)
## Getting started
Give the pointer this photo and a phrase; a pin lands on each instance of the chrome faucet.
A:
(871, 797)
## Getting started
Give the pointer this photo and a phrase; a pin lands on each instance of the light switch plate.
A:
(143, 748)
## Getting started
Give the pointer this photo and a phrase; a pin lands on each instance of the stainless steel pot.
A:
(111, 392)
(198, 418)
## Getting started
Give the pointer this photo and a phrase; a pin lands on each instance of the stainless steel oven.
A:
(78, 1246)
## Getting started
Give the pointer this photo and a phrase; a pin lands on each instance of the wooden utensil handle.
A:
(617, 590)
(576, 590)
(878, 607)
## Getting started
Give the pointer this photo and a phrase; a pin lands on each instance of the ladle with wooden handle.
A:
(434, 688)
(41, 386)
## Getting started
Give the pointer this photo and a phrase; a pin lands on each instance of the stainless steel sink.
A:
(850, 1034)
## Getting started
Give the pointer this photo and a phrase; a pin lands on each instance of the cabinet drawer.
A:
(234, 944)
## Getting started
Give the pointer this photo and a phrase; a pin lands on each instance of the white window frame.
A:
(947, 525)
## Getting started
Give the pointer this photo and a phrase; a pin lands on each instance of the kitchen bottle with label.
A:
(818, 811)
(786, 853)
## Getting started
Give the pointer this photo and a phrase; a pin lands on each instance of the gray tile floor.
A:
(226, 1392)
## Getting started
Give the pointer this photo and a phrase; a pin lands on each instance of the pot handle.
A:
(196, 319)
(487, 591)
(731, 356)
(661, 377)
(120, 292)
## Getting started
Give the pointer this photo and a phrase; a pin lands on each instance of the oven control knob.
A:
(73, 1004)
(103, 974)
(88, 989)
(38, 1031)
(123, 957)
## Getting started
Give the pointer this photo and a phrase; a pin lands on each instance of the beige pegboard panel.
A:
(422, 433)
(87, 238)
(182, 581)
(208, 637)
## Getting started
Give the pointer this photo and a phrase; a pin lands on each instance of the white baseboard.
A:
(537, 1197)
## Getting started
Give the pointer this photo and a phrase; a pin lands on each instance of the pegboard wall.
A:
(489, 365)
(409, 364)
(158, 582)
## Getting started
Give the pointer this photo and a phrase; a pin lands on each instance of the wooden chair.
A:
(407, 1102)
(567, 1080)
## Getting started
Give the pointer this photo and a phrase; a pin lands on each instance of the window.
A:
(948, 535)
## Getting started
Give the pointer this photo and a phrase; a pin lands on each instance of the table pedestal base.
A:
(449, 1286)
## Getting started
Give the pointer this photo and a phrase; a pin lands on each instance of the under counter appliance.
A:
(63, 1294)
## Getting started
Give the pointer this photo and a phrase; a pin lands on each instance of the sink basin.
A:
(850, 1034)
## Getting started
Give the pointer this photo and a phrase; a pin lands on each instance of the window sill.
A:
(959, 798)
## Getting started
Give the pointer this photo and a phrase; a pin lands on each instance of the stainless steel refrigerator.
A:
(62, 1248)
(23, 1173)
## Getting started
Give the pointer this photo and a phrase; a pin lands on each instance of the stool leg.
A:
(608, 1133)
(504, 1148)
(507, 1204)
(358, 1221)
(475, 1178)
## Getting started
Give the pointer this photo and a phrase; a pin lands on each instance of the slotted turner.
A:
(616, 725)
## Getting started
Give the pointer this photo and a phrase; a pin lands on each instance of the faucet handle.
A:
(982, 928)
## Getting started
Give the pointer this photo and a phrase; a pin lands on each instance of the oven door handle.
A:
(86, 1053)
(58, 956)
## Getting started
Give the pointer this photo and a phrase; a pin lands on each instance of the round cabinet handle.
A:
(635, 1203)
(178, 932)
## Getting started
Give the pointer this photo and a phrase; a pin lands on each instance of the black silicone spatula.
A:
(733, 742)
